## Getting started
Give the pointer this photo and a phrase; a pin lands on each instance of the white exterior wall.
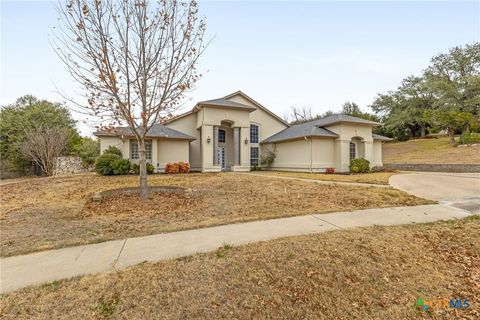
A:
(117, 142)
(239, 118)
(268, 124)
(377, 154)
(170, 150)
(314, 154)
(188, 125)
(305, 155)
(163, 150)
(346, 132)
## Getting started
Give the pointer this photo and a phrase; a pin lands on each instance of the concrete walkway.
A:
(33, 269)
(340, 183)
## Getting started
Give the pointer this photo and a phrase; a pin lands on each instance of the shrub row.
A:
(112, 163)
(177, 167)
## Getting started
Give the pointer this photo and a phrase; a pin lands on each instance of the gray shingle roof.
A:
(157, 131)
(299, 131)
(225, 103)
(316, 128)
(335, 118)
(380, 137)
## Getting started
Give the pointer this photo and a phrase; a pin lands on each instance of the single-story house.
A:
(234, 132)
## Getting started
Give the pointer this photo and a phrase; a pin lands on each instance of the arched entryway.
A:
(357, 148)
(226, 145)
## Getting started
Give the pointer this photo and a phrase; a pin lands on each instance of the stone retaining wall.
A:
(68, 165)
(433, 167)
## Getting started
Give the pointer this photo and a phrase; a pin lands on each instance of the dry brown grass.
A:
(429, 151)
(368, 273)
(57, 212)
(372, 178)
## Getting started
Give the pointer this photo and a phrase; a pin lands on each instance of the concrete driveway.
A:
(461, 190)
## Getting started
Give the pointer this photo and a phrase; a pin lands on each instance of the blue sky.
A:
(317, 54)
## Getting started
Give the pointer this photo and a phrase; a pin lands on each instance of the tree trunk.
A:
(422, 132)
(451, 135)
(142, 152)
(466, 128)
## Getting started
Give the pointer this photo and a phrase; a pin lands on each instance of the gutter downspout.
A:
(306, 138)
(311, 157)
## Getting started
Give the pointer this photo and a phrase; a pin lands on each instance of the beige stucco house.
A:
(234, 132)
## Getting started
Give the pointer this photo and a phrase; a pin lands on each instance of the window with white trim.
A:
(148, 148)
(134, 150)
(253, 133)
(253, 156)
(352, 151)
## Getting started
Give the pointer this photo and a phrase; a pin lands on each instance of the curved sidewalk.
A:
(41, 267)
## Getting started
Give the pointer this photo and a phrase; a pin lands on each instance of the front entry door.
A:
(221, 157)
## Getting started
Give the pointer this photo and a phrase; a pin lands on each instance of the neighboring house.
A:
(232, 133)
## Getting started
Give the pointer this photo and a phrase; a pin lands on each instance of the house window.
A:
(221, 136)
(254, 156)
(352, 151)
(253, 133)
(134, 154)
(134, 150)
(148, 148)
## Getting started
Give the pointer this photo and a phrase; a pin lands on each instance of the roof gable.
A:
(222, 102)
(227, 102)
(255, 103)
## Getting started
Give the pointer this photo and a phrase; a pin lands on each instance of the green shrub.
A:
(113, 150)
(359, 165)
(136, 168)
(104, 163)
(88, 150)
(121, 166)
(469, 138)
(150, 168)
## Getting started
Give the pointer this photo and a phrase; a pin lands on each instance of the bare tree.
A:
(43, 145)
(300, 114)
(135, 59)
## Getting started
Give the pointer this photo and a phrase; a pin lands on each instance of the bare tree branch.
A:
(135, 59)
(43, 145)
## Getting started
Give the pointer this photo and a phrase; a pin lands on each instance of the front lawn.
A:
(372, 178)
(366, 273)
(429, 151)
(55, 212)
